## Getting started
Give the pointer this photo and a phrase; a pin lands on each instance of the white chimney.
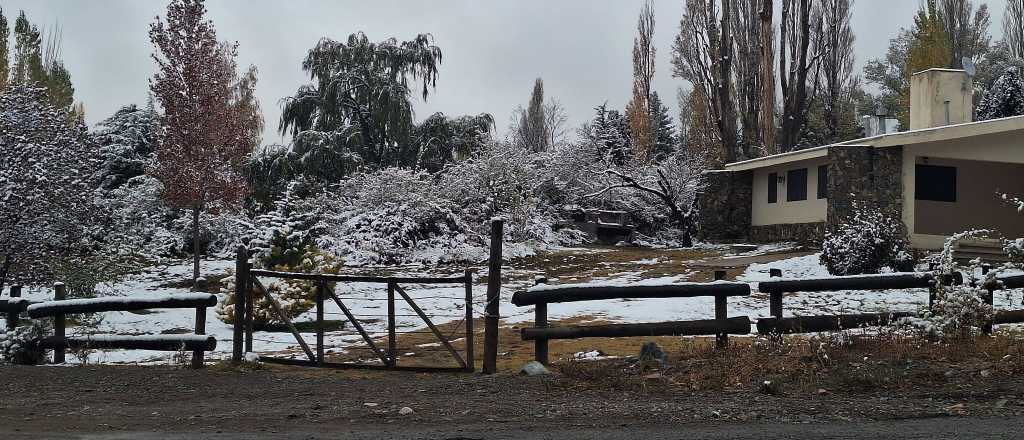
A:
(940, 97)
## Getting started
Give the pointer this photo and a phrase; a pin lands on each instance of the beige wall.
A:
(783, 212)
(931, 90)
(984, 164)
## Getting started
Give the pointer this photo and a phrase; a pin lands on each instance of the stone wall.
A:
(805, 233)
(867, 175)
(725, 206)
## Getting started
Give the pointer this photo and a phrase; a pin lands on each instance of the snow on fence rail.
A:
(198, 343)
(542, 294)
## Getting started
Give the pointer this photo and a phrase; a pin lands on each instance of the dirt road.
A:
(163, 402)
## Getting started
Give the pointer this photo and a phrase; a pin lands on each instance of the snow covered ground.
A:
(445, 304)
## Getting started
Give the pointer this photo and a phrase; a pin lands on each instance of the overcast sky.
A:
(492, 50)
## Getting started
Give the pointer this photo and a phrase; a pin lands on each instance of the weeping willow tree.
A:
(357, 112)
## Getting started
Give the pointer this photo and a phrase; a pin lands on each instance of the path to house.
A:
(109, 402)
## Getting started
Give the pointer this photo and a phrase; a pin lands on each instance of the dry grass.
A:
(836, 363)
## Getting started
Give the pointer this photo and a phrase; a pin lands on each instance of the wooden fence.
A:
(542, 295)
(198, 343)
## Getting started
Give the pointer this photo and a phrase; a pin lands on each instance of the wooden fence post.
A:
(470, 361)
(59, 293)
(13, 315)
(540, 320)
(320, 323)
(198, 356)
(721, 313)
(250, 303)
(775, 299)
(241, 280)
(492, 307)
(990, 300)
(392, 338)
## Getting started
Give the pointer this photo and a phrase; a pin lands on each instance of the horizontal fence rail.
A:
(812, 324)
(576, 292)
(356, 279)
(739, 325)
(121, 304)
(143, 342)
(856, 282)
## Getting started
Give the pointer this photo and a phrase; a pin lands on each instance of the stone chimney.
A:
(940, 97)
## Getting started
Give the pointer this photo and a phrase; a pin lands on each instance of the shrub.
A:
(866, 243)
(20, 346)
(294, 296)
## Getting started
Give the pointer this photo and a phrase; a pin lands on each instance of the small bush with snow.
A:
(20, 346)
(866, 243)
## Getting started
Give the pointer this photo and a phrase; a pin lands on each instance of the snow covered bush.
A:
(20, 346)
(867, 242)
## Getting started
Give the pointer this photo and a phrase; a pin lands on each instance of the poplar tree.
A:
(532, 132)
(5, 63)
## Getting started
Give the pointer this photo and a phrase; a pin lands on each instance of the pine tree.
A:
(5, 63)
(1004, 99)
(664, 129)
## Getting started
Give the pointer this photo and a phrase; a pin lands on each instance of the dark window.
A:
(773, 187)
(796, 185)
(935, 183)
(823, 182)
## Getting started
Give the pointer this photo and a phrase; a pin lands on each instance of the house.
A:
(941, 177)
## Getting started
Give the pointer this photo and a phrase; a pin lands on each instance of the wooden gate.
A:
(247, 284)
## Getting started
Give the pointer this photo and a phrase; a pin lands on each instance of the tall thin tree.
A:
(5, 61)
(837, 79)
(797, 62)
(767, 81)
(638, 109)
(1013, 27)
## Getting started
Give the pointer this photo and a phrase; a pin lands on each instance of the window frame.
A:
(931, 194)
(796, 193)
(822, 182)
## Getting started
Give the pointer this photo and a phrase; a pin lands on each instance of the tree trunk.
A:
(195, 248)
(767, 121)
(4, 271)
(727, 110)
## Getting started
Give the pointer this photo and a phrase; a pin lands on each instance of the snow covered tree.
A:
(1005, 98)
(207, 136)
(283, 236)
(127, 141)
(608, 134)
(441, 140)
(48, 214)
(529, 130)
(358, 111)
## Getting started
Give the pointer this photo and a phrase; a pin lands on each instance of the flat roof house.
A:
(941, 177)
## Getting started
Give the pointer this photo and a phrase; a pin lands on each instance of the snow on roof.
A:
(921, 135)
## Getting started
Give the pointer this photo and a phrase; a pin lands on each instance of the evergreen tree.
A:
(664, 129)
(5, 63)
(58, 86)
(127, 141)
(1005, 98)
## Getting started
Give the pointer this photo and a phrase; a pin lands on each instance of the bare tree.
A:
(555, 119)
(746, 25)
(1013, 27)
(767, 46)
(968, 35)
(837, 80)
(800, 20)
(701, 57)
